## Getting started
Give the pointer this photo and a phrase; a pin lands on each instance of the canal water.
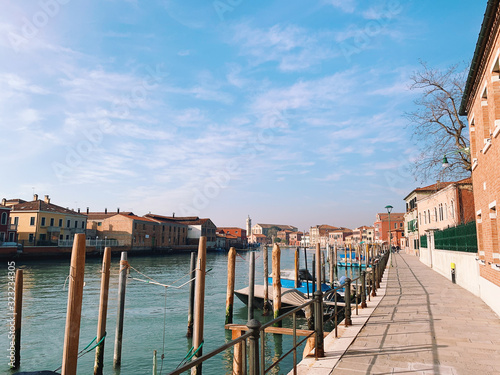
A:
(149, 325)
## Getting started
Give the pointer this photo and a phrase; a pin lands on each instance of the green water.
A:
(45, 302)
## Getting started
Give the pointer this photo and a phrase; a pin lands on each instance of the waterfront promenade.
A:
(424, 324)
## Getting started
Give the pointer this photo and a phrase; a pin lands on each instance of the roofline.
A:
(484, 33)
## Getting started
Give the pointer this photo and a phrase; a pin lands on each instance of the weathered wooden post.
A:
(251, 285)
(335, 258)
(374, 283)
(74, 312)
(192, 277)
(199, 307)
(122, 286)
(231, 269)
(154, 362)
(346, 249)
(18, 311)
(103, 311)
(332, 264)
(267, 305)
(296, 268)
(323, 265)
(314, 273)
(318, 267)
(276, 282)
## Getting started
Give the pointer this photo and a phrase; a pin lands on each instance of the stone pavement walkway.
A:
(425, 325)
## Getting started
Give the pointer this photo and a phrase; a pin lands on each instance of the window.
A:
(4, 218)
(68, 224)
(60, 223)
(83, 224)
(76, 223)
(52, 221)
(435, 214)
(30, 239)
(61, 237)
(446, 211)
(32, 220)
(429, 216)
(67, 237)
(452, 210)
(143, 226)
(43, 222)
(420, 219)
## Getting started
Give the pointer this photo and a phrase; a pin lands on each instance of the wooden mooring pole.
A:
(18, 311)
(74, 311)
(267, 305)
(103, 311)
(276, 282)
(251, 285)
(296, 268)
(323, 265)
(332, 264)
(318, 267)
(122, 286)
(192, 273)
(199, 307)
(231, 265)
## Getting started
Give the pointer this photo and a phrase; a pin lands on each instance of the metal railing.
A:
(91, 243)
(253, 361)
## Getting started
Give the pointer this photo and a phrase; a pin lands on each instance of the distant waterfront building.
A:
(236, 237)
(337, 237)
(196, 228)
(319, 234)
(481, 104)
(41, 222)
(382, 229)
(295, 238)
(363, 234)
(8, 230)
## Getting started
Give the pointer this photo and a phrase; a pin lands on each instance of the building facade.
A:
(382, 230)
(42, 223)
(320, 234)
(481, 104)
(8, 230)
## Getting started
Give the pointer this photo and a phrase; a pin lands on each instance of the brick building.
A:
(295, 238)
(382, 229)
(338, 237)
(235, 237)
(481, 104)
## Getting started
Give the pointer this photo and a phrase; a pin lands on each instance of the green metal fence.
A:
(460, 238)
(423, 241)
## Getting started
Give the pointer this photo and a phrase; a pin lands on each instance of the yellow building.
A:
(40, 222)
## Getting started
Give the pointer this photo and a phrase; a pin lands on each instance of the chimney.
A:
(118, 210)
(173, 214)
(35, 197)
(78, 210)
(4, 202)
(47, 199)
(87, 210)
(105, 210)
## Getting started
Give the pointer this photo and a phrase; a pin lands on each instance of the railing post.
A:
(363, 289)
(348, 321)
(378, 273)
(253, 347)
(374, 286)
(318, 324)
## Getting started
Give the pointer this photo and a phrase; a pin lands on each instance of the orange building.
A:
(481, 104)
(396, 229)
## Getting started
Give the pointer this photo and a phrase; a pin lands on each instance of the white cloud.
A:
(348, 6)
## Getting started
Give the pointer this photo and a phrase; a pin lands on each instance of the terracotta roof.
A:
(282, 227)
(40, 205)
(260, 235)
(103, 215)
(135, 217)
(394, 216)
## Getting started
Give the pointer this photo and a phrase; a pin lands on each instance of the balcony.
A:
(12, 227)
(53, 229)
(91, 243)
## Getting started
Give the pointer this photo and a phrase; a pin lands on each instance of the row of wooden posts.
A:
(368, 251)
(196, 300)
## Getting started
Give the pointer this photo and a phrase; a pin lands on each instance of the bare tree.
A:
(437, 128)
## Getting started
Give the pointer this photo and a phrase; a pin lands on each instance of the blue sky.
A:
(288, 111)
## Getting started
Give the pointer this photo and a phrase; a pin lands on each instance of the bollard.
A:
(374, 287)
(318, 324)
(378, 273)
(363, 289)
(348, 321)
(253, 347)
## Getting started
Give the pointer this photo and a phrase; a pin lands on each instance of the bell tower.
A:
(249, 226)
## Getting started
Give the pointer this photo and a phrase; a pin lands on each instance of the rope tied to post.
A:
(190, 354)
(86, 350)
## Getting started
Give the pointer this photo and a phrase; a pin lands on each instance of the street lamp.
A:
(465, 150)
(389, 209)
